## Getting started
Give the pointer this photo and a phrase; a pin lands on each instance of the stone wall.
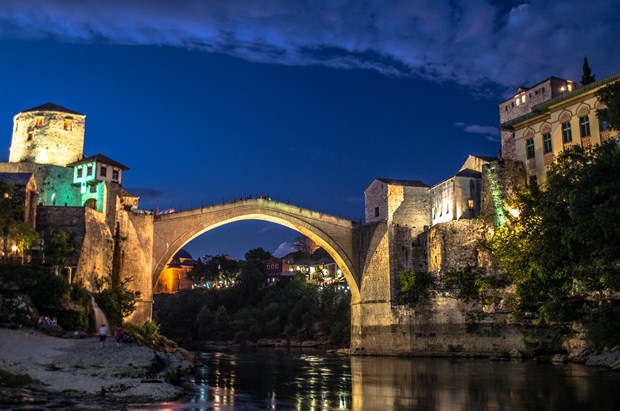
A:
(438, 326)
(455, 244)
(136, 233)
(53, 182)
(375, 198)
(50, 142)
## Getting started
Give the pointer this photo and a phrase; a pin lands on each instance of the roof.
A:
(409, 183)
(540, 108)
(16, 179)
(485, 158)
(126, 193)
(52, 107)
(182, 253)
(101, 159)
(468, 172)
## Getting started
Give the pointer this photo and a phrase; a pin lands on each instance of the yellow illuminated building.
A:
(539, 122)
(175, 276)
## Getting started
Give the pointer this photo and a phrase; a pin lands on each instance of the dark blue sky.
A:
(306, 104)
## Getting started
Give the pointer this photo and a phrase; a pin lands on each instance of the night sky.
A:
(304, 101)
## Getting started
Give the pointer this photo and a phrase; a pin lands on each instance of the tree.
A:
(610, 97)
(587, 77)
(305, 245)
(215, 268)
(60, 247)
(563, 250)
(257, 254)
(12, 223)
(115, 298)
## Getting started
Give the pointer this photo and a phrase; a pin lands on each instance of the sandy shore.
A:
(81, 369)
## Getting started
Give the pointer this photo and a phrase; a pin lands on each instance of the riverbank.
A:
(81, 369)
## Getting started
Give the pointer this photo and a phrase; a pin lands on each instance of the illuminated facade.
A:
(175, 276)
(540, 121)
(459, 196)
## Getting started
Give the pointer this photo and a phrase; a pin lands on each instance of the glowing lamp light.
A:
(514, 212)
(14, 248)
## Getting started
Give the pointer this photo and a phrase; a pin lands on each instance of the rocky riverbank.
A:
(81, 369)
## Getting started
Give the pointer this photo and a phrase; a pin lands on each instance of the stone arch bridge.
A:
(364, 252)
(337, 236)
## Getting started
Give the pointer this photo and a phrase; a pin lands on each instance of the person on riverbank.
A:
(102, 334)
(118, 335)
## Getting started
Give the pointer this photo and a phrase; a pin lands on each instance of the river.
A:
(294, 380)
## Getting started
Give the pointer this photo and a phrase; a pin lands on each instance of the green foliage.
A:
(603, 325)
(115, 298)
(8, 379)
(610, 97)
(60, 247)
(257, 254)
(51, 294)
(251, 310)
(214, 268)
(149, 331)
(563, 250)
(12, 218)
(414, 286)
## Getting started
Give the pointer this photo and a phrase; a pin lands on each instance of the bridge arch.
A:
(335, 235)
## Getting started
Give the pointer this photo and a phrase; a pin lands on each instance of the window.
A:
(93, 189)
(114, 175)
(30, 136)
(79, 172)
(470, 203)
(89, 170)
(529, 148)
(584, 126)
(68, 124)
(547, 147)
(38, 121)
(376, 211)
(567, 135)
(103, 172)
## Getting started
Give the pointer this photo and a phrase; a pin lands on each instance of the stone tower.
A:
(47, 134)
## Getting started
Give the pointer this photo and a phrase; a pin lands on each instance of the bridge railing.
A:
(255, 196)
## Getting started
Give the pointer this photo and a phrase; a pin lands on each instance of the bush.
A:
(115, 299)
(414, 286)
(603, 326)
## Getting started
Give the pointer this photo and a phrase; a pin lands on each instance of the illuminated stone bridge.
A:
(337, 236)
(362, 252)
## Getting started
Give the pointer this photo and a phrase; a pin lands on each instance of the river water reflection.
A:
(282, 380)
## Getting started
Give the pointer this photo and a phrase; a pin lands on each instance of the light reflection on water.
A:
(281, 380)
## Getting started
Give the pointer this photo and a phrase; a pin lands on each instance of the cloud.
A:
(490, 132)
(475, 43)
(283, 249)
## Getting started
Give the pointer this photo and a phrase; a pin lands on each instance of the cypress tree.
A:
(587, 77)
